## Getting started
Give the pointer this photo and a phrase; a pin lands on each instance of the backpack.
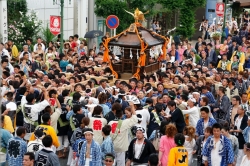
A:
(156, 140)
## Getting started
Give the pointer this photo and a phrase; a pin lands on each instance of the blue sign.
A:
(112, 21)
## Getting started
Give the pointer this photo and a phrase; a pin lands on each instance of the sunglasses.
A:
(109, 161)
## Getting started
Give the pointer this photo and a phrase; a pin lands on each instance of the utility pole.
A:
(223, 37)
(61, 41)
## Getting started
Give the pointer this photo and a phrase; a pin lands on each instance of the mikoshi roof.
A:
(130, 37)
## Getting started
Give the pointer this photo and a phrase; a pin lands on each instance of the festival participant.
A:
(97, 122)
(204, 122)
(155, 119)
(233, 139)
(36, 145)
(222, 104)
(76, 147)
(102, 97)
(31, 110)
(47, 130)
(217, 149)
(233, 110)
(192, 111)
(178, 156)
(139, 149)
(16, 148)
(200, 143)
(46, 156)
(119, 133)
(109, 159)
(5, 136)
(240, 123)
(107, 146)
(29, 159)
(90, 153)
(176, 116)
(39, 41)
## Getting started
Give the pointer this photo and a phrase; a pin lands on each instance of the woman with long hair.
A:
(189, 132)
(166, 143)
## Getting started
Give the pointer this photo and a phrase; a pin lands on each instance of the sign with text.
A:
(55, 25)
(219, 10)
(3, 21)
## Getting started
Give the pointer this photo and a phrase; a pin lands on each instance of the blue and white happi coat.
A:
(200, 125)
(225, 151)
(16, 149)
(95, 154)
(76, 147)
(107, 146)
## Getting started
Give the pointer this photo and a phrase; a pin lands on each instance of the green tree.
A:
(27, 26)
(46, 35)
(104, 8)
(187, 14)
(15, 9)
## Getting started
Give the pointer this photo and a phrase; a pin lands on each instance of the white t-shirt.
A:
(216, 158)
(238, 123)
(137, 149)
(145, 117)
(194, 115)
(245, 161)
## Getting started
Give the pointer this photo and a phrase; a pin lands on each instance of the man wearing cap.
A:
(139, 149)
(192, 111)
(36, 145)
(90, 154)
(119, 133)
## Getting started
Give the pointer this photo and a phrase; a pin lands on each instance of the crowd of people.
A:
(68, 105)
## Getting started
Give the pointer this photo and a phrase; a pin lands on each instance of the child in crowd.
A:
(178, 156)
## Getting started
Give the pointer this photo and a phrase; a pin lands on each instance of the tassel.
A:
(137, 54)
(131, 55)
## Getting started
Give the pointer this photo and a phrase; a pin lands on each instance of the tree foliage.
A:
(14, 6)
(46, 35)
(104, 8)
(26, 26)
(187, 10)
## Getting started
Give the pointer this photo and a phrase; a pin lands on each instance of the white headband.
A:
(147, 92)
(192, 99)
(89, 132)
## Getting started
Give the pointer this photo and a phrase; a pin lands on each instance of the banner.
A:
(3, 21)
(55, 25)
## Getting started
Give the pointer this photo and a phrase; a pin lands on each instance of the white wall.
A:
(45, 8)
(82, 17)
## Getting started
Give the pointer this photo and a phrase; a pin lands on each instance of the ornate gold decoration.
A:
(138, 15)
